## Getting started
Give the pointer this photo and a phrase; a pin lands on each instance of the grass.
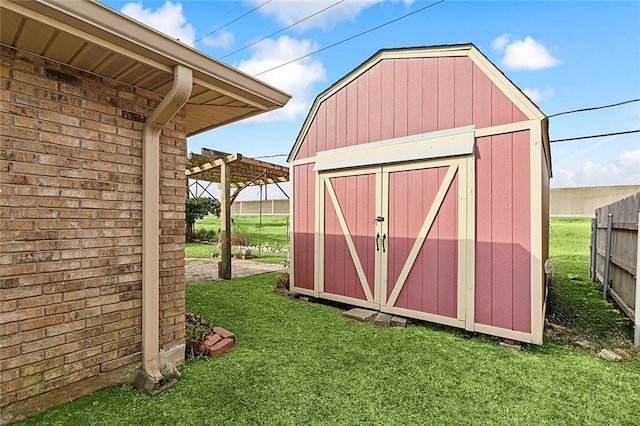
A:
(273, 233)
(205, 250)
(575, 302)
(302, 363)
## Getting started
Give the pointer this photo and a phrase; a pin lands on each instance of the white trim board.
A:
(455, 142)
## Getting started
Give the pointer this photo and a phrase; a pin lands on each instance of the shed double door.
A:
(398, 238)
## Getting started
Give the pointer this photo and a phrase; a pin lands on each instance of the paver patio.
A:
(198, 270)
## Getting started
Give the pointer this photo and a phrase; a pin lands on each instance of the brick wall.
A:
(70, 240)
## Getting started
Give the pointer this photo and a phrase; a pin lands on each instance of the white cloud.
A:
(296, 78)
(526, 54)
(500, 42)
(630, 159)
(222, 39)
(624, 171)
(587, 149)
(167, 19)
(537, 95)
(287, 12)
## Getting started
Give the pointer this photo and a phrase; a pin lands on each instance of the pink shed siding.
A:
(503, 262)
(356, 201)
(431, 285)
(303, 225)
(400, 97)
(394, 96)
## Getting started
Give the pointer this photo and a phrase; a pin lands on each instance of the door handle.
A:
(384, 237)
(377, 238)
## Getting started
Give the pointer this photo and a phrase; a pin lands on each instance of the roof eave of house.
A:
(147, 45)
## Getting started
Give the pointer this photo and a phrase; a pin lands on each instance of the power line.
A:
(235, 20)
(595, 136)
(271, 156)
(594, 108)
(352, 37)
(283, 29)
(218, 18)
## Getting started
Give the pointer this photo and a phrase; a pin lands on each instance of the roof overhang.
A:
(512, 92)
(94, 38)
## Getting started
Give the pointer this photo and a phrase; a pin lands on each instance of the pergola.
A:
(232, 171)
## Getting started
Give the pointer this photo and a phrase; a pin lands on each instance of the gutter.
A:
(149, 378)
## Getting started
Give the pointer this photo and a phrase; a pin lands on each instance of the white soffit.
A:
(94, 38)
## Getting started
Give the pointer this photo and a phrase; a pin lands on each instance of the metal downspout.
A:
(170, 105)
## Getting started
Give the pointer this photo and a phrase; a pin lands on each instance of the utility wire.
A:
(218, 18)
(352, 37)
(271, 156)
(594, 108)
(235, 20)
(283, 29)
(595, 136)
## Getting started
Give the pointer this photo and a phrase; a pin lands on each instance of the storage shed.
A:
(420, 188)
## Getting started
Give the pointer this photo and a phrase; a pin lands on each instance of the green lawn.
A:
(300, 363)
(272, 233)
(574, 300)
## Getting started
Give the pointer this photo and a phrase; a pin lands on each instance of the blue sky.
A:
(564, 55)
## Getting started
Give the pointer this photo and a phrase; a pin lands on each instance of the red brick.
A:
(225, 334)
(76, 217)
(212, 340)
(221, 346)
(42, 344)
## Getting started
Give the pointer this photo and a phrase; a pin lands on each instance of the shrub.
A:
(196, 330)
(281, 284)
(206, 235)
(239, 240)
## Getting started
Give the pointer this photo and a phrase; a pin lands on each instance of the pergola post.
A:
(225, 220)
(215, 166)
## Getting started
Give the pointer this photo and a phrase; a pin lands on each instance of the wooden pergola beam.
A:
(232, 171)
(213, 164)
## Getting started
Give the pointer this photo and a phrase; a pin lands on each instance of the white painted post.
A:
(636, 334)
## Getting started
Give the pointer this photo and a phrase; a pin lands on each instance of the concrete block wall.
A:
(269, 207)
(583, 201)
(70, 240)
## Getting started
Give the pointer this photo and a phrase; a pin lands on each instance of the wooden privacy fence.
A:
(615, 255)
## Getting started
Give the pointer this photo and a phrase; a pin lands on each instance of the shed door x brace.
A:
(399, 237)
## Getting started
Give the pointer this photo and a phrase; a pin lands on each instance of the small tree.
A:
(197, 208)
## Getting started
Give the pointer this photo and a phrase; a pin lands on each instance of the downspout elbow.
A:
(166, 110)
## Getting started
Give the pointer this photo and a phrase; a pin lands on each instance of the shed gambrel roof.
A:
(511, 91)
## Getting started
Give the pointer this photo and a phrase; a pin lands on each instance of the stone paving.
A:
(203, 270)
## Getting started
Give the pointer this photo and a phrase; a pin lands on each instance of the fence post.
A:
(636, 334)
(607, 256)
(595, 245)
(594, 249)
